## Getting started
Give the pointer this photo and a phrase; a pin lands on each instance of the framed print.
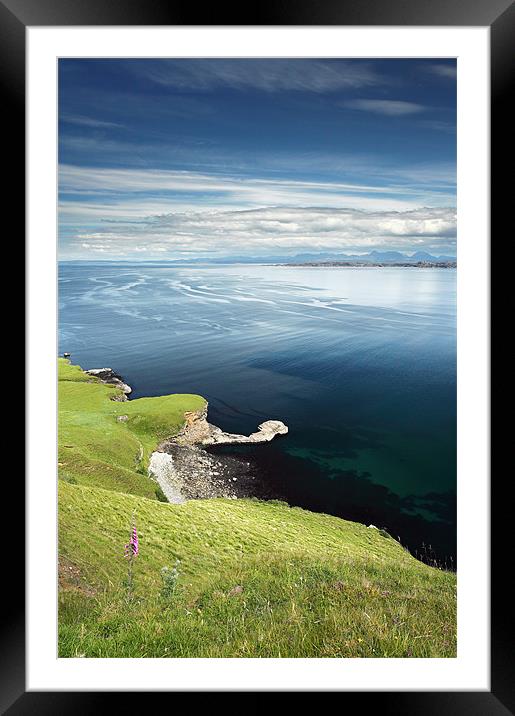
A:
(258, 255)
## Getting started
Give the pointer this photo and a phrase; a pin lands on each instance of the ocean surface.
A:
(360, 363)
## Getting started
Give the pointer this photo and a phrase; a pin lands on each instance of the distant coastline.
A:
(419, 259)
(374, 264)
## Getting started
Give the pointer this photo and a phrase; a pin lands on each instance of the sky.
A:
(189, 158)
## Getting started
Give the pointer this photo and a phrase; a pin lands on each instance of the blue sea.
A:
(360, 363)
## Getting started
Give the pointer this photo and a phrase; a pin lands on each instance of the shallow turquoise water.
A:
(360, 363)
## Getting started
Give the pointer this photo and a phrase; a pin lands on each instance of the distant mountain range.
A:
(372, 257)
(375, 257)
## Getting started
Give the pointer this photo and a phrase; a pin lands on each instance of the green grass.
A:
(307, 585)
(98, 450)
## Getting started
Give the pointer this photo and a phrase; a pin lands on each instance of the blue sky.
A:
(174, 159)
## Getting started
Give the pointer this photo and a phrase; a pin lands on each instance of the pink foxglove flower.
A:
(132, 547)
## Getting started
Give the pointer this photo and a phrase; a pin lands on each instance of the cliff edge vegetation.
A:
(219, 577)
(106, 443)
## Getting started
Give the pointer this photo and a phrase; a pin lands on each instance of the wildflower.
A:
(170, 577)
(131, 551)
(132, 547)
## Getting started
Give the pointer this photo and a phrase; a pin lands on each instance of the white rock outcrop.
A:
(265, 432)
(198, 431)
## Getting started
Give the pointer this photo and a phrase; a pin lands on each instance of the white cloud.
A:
(278, 230)
(136, 211)
(389, 107)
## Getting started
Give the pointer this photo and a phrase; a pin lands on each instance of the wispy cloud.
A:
(389, 107)
(439, 126)
(92, 197)
(202, 158)
(442, 70)
(83, 121)
(275, 75)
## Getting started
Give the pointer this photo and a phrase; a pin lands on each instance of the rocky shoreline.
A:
(193, 473)
(186, 470)
(108, 376)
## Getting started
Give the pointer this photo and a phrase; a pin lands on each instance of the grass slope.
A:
(98, 450)
(256, 579)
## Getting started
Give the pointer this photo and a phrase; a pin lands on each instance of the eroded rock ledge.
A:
(198, 431)
(107, 375)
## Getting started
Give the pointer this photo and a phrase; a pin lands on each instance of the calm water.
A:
(360, 363)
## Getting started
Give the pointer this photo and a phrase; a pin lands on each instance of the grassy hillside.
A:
(255, 579)
(97, 449)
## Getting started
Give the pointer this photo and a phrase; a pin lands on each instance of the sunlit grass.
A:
(311, 585)
(95, 448)
(256, 579)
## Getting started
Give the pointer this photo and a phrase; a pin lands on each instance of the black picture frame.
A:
(499, 15)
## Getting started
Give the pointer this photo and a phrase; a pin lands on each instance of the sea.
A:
(359, 362)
